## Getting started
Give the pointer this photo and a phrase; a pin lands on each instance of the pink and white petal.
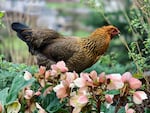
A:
(134, 83)
(139, 96)
(86, 77)
(76, 110)
(79, 82)
(115, 81)
(42, 70)
(109, 98)
(41, 110)
(93, 75)
(83, 99)
(129, 110)
(102, 77)
(126, 76)
(27, 75)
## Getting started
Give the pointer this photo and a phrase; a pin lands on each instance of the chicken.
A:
(78, 53)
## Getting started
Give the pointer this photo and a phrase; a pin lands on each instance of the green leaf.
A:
(103, 107)
(1, 14)
(3, 95)
(51, 103)
(112, 92)
(18, 83)
(111, 109)
(121, 110)
(147, 110)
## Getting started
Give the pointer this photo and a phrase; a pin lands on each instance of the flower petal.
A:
(27, 75)
(134, 83)
(139, 96)
(126, 76)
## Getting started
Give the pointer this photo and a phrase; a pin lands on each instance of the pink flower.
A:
(83, 91)
(70, 77)
(54, 73)
(1, 108)
(87, 79)
(61, 90)
(78, 102)
(129, 110)
(42, 70)
(126, 77)
(139, 96)
(80, 82)
(47, 74)
(41, 110)
(28, 94)
(84, 80)
(60, 66)
(93, 75)
(27, 75)
(109, 98)
(102, 78)
(38, 93)
(115, 81)
(134, 83)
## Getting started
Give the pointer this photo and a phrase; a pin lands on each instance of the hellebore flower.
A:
(102, 77)
(109, 98)
(129, 110)
(126, 76)
(78, 102)
(27, 75)
(42, 70)
(60, 66)
(61, 90)
(115, 81)
(134, 83)
(139, 96)
(28, 94)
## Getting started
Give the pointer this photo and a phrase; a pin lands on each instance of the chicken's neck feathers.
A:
(96, 45)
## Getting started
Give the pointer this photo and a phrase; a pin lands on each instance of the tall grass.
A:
(13, 48)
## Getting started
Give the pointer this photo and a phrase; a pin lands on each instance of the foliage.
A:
(60, 91)
(1, 16)
(135, 26)
(9, 70)
(26, 89)
(139, 51)
(109, 64)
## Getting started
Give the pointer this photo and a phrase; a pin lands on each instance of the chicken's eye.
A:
(114, 30)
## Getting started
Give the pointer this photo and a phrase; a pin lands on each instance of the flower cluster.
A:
(81, 88)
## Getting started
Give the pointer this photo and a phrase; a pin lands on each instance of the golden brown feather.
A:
(78, 53)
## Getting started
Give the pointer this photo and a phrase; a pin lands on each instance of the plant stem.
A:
(99, 105)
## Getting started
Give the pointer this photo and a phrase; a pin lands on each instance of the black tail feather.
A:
(18, 27)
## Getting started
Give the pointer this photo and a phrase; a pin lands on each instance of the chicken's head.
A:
(112, 30)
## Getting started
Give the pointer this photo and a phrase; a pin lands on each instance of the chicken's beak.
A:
(119, 33)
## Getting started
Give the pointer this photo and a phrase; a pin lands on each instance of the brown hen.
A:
(78, 53)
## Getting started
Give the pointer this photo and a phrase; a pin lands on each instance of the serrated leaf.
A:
(3, 95)
(112, 92)
(121, 110)
(111, 109)
(51, 103)
(147, 110)
(1, 14)
(18, 83)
